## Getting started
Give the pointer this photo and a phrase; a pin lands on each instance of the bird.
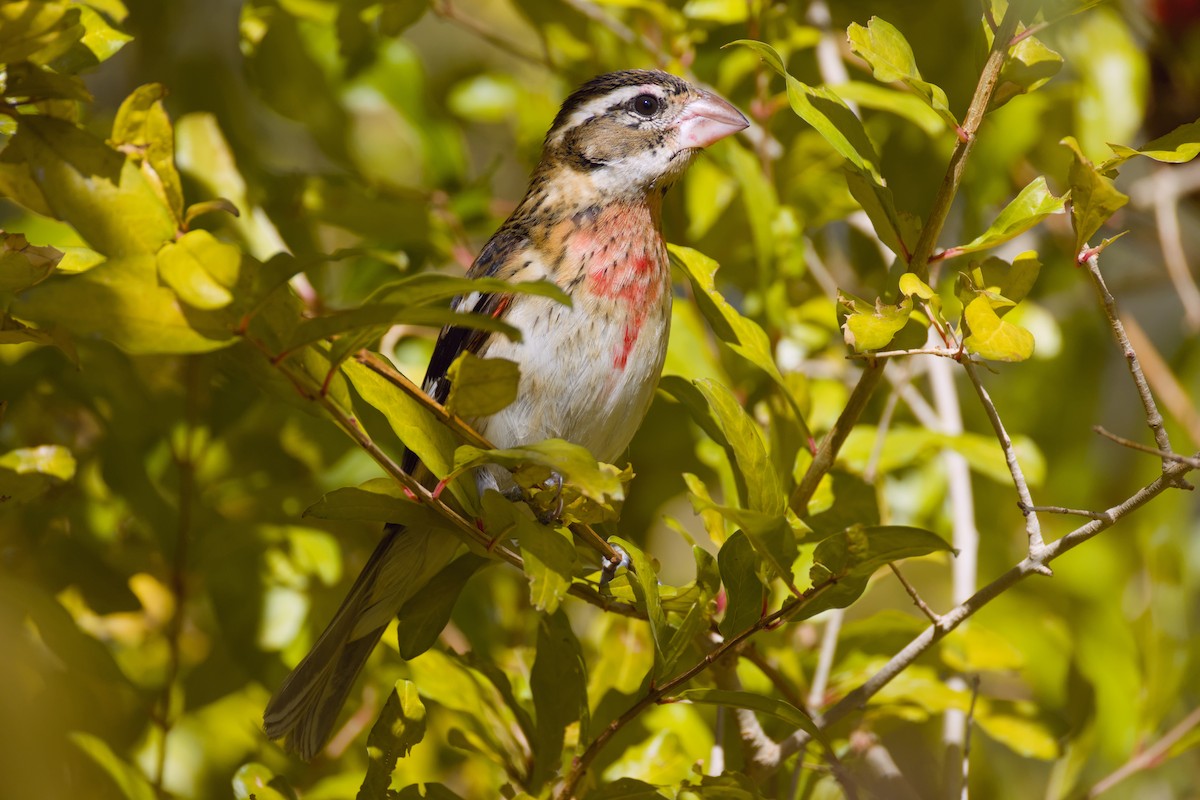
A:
(590, 221)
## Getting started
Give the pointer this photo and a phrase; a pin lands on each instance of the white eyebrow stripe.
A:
(601, 104)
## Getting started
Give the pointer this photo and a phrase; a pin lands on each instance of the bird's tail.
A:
(306, 706)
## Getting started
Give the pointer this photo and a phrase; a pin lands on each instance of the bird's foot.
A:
(553, 515)
(609, 566)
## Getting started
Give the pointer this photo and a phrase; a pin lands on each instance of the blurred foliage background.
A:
(159, 574)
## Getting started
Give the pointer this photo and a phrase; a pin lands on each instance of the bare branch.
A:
(1152, 756)
(1174, 397)
(1132, 445)
(1153, 418)
(1033, 528)
(916, 598)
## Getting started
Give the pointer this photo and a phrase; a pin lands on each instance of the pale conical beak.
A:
(708, 119)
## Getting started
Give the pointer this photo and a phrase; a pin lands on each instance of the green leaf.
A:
(827, 113)
(102, 194)
(771, 535)
(901, 103)
(22, 265)
(1093, 197)
(548, 553)
(533, 464)
(1032, 205)
(755, 702)
(1028, 67)
(417, 427)
(254, 781)
(101, 39)
(911, 285)
(745, 593)
(764, 491)
(32, 30)
(30, 82)
(844, 562)
(644, 581)
(558, 683)
(629, 789)
(386, 314)
(872, 326)
(426, 791)
(130, 782)
(29, 471)
(895, 229)
(882, 46)
(377, 500)
(1177, 147)
(122, 301)
(481, 386)
(1011, 281)
(993, 338)
(200, 269)
(423, 618)
(400, 726)
(743, 335)
(1026, 737)
(142, 130)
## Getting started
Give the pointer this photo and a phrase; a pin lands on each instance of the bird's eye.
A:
(645, 105)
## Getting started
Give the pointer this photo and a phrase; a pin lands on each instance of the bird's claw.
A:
(609, 566)
(552, 515)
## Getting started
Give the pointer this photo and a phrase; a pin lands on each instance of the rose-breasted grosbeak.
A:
(590, 223)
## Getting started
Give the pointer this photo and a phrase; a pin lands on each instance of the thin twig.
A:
(1153, 418)
(966, 753)
(1154, 451)
(1171, 393)
(1075, 512)
(1152, 756)
(916, 597)
(944, 352)
(1033, 527)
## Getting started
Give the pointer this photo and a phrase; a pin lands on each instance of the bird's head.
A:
(631, 132)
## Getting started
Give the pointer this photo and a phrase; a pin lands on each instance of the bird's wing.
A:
(497, 259)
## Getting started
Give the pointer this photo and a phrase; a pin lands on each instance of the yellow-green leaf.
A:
(1093, 197)
(481, 386)
(891, 58)
(821, 108)
(200, 269)
(993, 338)
(1032, 205)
